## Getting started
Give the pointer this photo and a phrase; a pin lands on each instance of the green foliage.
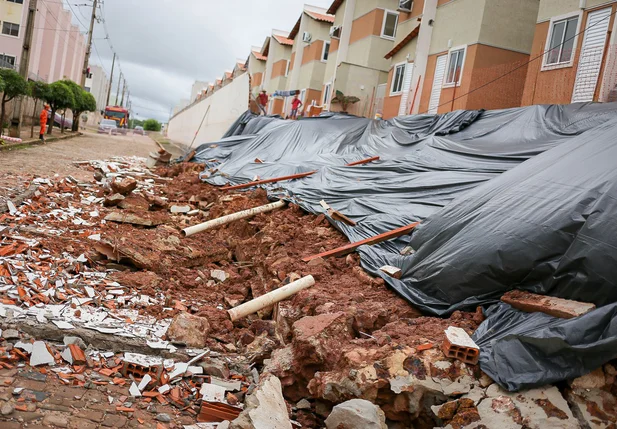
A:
(89, 104)
(152, 125)
(344, 100)
(60, 97)
(135, 123)
(14, 84)
(1, 85)
(38, 90)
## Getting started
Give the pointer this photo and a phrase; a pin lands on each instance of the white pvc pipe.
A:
(270, 298)
(231, 218)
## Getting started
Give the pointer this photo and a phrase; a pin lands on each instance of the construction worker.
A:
(262, 101)
(44, 116)
(295, 104)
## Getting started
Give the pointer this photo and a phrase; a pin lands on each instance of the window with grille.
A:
(455, 67)
(561, 45)
(10, 29)
(397, 79)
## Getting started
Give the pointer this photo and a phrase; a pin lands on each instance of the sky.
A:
(164, 46)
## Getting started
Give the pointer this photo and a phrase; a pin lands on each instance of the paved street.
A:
(57, 157)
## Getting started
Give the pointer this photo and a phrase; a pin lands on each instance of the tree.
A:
(135, 123)
(38, 91)
(60, 97)
(152, 125)
(344, 100)
(84, 102)
(1, 84)
(14, 86)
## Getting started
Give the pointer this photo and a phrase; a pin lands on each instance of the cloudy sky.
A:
(165, 45)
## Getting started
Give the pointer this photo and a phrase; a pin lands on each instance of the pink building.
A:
(58, 47)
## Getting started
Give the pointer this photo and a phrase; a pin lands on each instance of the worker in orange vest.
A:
(43, 119)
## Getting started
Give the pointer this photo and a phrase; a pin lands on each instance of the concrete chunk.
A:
(556, 307)
(392, 271)
(40, 355)
(265, 408)
(356, 413)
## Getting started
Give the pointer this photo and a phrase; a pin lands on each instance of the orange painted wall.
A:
(256, 79)
(367, 25)
(391, 104)
(278, 68)
(291, 61)
(483, 64)
(311, 94)
(553, 86)
(277, 106)
(334, 44)
(312, 52)
(416, 10)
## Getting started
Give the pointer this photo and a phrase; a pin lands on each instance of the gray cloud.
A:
(165, 45)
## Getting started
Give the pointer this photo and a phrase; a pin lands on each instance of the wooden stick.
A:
(344, 250)
(363, 161)
(186, 232)
(291, 177)
(270, 298)
(275, 179)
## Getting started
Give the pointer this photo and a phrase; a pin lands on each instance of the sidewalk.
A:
(28, 141)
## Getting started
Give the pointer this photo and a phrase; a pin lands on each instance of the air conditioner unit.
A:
(335, 31)
(405, 5)
(306, 37)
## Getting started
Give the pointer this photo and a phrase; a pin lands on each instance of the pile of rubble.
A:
(101, 294)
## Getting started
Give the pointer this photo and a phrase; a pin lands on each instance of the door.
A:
(440, 71)
(590, 59)
(402, 110)
(380, 94)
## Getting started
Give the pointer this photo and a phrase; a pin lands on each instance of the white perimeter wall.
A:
(226, 105)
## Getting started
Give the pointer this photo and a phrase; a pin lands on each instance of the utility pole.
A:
(89, 50)
(118, 90)
(15, 128)
(123, 91)
(111, 79)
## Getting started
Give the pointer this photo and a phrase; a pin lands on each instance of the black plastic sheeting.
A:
(518, 198)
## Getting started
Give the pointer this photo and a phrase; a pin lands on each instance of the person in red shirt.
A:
(262, 101)
(295, 105)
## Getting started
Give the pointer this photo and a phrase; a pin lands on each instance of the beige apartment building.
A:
(309, 55)
(256, 68)
(580, 64)
(277, 51)
(449, 55)
(58, 47)
(362, 33)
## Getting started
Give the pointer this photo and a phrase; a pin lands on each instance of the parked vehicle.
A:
(108, 126)
(139, 130)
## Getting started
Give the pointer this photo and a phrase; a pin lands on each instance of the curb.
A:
(37, 142)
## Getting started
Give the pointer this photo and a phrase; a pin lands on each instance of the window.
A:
(287, 68)
(335, 32)
(390, 20)
(10, 29)
(325, 52)
(455, 67)
(405, 5)
(561, 45)
(16, 1)
(7, 61)
(326, 93)
(397, 79)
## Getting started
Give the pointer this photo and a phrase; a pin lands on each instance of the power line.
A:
(526, 63)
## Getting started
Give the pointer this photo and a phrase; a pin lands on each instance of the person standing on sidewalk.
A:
(295, 105)
(44, 116)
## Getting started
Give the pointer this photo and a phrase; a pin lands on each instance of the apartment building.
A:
(58, 47)
(452, 54)
(256, 68)
(197, 89)
(97, 84)
(363, 32)
(575, 45)
(309, 55)
(277, 50)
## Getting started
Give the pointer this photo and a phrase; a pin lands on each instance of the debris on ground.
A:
(110, 318)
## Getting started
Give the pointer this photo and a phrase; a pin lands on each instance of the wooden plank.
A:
(291, 177)
(363, 161)
(344, 250)
(336, 215)
(273, 180)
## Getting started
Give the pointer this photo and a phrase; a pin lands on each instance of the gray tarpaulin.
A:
(518, 198)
